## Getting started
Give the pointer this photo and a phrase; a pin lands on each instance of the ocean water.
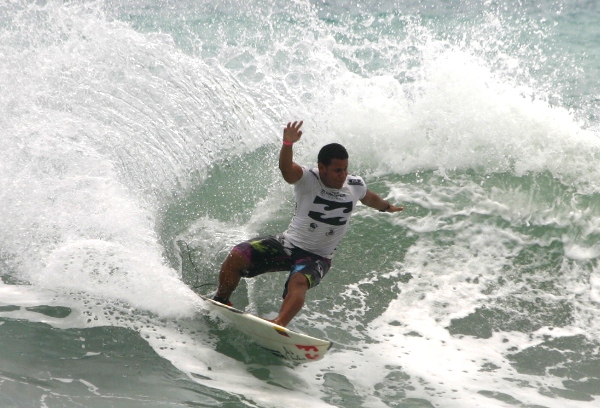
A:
(139, 142)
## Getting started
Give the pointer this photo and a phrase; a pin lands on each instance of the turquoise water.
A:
(139, 143)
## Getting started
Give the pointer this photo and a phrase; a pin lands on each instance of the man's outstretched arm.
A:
(373, 200)
(290, 171)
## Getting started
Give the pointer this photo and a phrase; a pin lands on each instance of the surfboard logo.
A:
(309, 348)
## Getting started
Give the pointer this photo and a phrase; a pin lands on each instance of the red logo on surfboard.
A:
(309, 348)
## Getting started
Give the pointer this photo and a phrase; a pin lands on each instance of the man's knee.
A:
(298, 281)
(237, 262)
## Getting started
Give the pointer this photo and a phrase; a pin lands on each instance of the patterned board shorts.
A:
(267, 254)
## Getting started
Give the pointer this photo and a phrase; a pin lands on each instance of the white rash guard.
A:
(322, 214)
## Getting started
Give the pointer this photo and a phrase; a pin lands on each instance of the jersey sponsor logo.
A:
(330, 206)
(337, 195)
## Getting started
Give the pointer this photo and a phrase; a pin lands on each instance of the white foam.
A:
(113, 271)
(462, 116)
(595, 288)
(93, 148)
(581, 253)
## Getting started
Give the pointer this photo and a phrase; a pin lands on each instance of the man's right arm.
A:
(291, 172)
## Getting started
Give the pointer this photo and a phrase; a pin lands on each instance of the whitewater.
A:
(139, 143)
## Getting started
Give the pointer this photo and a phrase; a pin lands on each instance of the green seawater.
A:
(140, 142)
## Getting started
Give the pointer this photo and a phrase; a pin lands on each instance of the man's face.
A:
(334, 175)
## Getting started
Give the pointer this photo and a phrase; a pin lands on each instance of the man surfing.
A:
(326, 197)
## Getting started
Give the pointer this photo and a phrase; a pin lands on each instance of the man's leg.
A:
(230, 275)
(249, 259)
(294, 299)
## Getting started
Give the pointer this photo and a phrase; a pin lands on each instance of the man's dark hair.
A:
(330, 152)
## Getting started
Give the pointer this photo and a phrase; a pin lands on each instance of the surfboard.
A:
(280, 341)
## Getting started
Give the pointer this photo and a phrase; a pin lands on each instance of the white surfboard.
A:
(282, 342)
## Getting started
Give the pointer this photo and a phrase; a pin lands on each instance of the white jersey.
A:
(322, 214)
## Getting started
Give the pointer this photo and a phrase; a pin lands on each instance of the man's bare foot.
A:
(274, 321)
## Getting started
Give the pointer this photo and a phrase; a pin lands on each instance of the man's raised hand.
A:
(292, 132)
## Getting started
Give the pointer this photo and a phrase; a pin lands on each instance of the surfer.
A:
(326, 196)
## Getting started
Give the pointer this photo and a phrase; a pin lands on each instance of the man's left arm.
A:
(375, 201)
